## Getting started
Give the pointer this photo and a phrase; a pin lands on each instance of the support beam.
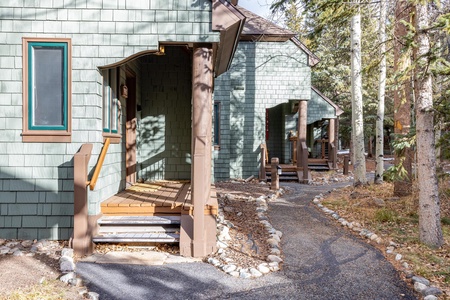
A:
(302, 154)
(202, 80)
(332, 149)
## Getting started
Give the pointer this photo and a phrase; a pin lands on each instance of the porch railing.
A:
(98, 168)
(81, 241)
(83, 228)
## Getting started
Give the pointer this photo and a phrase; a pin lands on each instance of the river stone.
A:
(398, 257)
(65, 278)
(67, 252)
(229, 268)
(432, 291)
(255, 272)
(244, 274)
(419, 287)
(93, 296)
(27, 243)
(213, 261)
(421, 280)
(18, 253)
(272, 242)
(4, 250)
(430, 297)
(274, 258)
(67, 266)
(234, 274)
(263, 268)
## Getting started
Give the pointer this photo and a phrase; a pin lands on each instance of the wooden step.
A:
(139, 220)
(137, 238)
(112, 229)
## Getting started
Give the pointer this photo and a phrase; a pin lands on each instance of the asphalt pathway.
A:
(321, 261)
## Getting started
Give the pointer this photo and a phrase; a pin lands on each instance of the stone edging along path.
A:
(227, 265)
(421, 285)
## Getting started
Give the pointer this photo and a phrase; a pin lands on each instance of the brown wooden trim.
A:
(115, 138)
(45, 136)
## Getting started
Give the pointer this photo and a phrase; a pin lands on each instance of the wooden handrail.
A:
(98, 168)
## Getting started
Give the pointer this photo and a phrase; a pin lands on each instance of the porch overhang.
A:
(227, 19)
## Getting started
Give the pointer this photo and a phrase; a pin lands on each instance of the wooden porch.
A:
(156, 199)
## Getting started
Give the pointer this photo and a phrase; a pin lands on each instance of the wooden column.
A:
(202, 80)
(302, 154)
(82, 235)
(274, 178)
(332, 149)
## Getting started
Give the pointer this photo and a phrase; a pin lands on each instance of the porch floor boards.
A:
(156, 198)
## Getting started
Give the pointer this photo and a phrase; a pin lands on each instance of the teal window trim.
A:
(31, 47)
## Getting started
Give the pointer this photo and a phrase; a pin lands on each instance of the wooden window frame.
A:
(114, 135)
(32, 133)
(216, 138)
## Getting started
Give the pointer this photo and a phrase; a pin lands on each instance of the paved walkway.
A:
(322, 261)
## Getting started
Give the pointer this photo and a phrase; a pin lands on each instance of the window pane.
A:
(216, 123)
(114, 100)
(48, 86)
(106, 100)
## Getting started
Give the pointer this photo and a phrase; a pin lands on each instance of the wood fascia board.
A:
(312, 58)
(265, 38)
(229, 21)
(339, 111)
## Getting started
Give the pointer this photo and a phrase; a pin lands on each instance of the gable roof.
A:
(339, 111)
(312, 58)
(257, 28)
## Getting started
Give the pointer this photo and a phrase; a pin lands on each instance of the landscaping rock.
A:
(421, 280)
(432, 291)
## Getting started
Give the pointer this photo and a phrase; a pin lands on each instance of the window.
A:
(216, 124)
(46, 90)
(111, 105)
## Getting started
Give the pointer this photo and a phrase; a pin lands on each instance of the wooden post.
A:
(302, 154)
(274, 179)
(346, 163)
(202, 78)
(82, 235)
(262, 170)
(332, 149)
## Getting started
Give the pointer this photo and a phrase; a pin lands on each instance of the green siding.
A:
(263, 75)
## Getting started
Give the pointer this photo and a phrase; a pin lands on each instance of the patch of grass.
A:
(445, 220)
(48, 290)
(385, 215)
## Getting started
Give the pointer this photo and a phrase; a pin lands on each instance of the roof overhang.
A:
(229, 21)
(339, 111)
(312, 58)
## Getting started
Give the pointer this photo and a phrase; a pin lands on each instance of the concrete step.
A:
(112, 229)
(137, 238)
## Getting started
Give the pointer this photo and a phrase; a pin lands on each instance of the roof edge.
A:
(339, 111)
(312, 58)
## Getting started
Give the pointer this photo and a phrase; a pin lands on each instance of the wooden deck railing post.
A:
(82, 235)
(332, 154)
(274, 179)
(262, 169)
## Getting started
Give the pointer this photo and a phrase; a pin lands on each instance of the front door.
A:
(131, 128)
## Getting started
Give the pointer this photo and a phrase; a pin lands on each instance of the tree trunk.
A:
(358, 159)
(430, 231)
(402, 99)
(379, 130)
